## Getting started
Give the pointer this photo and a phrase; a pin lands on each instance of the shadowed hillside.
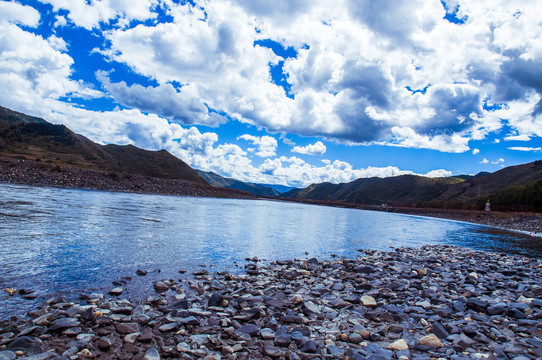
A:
(33, 138)
(515, 186)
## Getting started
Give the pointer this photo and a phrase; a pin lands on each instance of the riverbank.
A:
(435, 302)
(29, 172)
(526, 222)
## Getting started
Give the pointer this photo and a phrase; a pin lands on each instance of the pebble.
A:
(406, 303)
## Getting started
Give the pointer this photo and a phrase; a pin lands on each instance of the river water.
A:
(66, 241)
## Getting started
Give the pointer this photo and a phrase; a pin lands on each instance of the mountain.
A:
(228, 183)
(33, 138)
(412, 190)
(279, 188)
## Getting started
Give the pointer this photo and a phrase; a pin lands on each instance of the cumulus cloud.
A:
(475, 151)
(181, 106)
(363, 72)
(317, 148)
(18, 14)
(267, 145)
(90, 14)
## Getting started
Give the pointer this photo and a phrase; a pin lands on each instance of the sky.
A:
(288, 92)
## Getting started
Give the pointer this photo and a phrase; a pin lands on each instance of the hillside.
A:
(228, 183)
(453, 192)
(32, 138)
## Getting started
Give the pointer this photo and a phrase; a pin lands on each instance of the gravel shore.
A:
(435, 302)
(28, 172)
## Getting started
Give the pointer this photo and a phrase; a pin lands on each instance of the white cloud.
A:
(524, 148)
(317, 148)
(438, 173)
(90, 14)
(267, 145)
(485, 161)
(18, 14)
(498, 161)
(521, 137)
(475, 151)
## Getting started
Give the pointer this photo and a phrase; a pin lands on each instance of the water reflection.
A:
(62, 240)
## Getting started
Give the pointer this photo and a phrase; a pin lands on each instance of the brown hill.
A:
(33, 138)
(410, 190)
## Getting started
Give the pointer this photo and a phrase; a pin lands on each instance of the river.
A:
(66, 241)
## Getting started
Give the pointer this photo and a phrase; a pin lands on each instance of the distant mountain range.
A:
(462, 191)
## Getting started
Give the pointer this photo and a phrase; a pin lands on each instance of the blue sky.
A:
(290, 92)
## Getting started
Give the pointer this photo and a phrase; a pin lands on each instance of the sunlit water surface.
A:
(66, 241)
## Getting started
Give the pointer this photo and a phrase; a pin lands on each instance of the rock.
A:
(140, 272)
(26, 344)
(267, 334)
(355, 338)
(335, 351)
(309, 347)
(271, 351)
(497, 309)
(249, 329)
(127, 328)
(462, 342)
(431, 340)
(477, 304)
(398, 345)
(190, 320)
(215, 300)
(160, 287)
(439, 330)
(104, 344)
(291, 319)
(115, 291)
(131, 338)
(368, 301)
(64, 323)
(151, 354)
(283, 340)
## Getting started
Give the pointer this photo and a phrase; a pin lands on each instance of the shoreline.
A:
(33, 173)
(29, 172)
(407, 303)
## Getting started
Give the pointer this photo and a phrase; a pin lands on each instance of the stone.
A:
(64, 323)
(439, 330)
(431, 340)
(131, 338)
(140, 272)
(151, 354)
(367, 300)
(104, 344)
(267, 334)
(497, 309)
(249, 329)
(291, 319)
(355, 338)
(309, 347)
(127, 328)
(462, 342)
(477, 304)
(26, 344)
(398, 345)
(215, 299)
(160, 287)
(190, 320)
(283, 340)
(271, 351)
(116, 291)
